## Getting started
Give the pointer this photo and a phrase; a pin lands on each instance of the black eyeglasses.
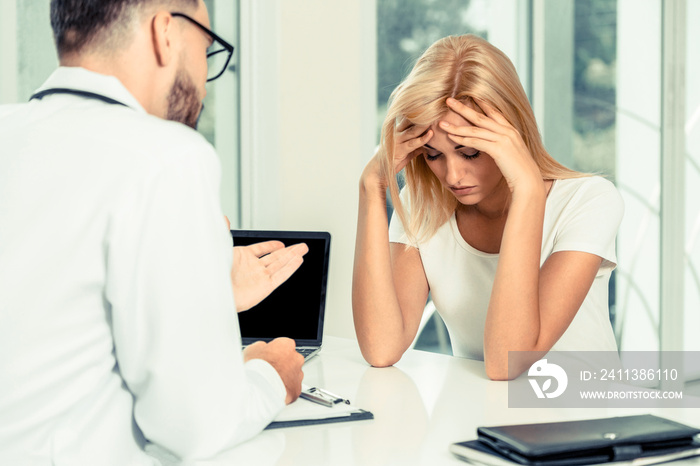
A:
(219, 52)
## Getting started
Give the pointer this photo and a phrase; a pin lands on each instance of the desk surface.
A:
(421, 405)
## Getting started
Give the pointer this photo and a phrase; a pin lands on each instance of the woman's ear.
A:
(162, 28)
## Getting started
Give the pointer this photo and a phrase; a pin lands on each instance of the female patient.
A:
(515, 249)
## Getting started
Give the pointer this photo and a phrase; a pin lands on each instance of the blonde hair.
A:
(463, 67)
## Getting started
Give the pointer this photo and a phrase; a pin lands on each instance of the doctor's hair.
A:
(465, 68)
(83, 24)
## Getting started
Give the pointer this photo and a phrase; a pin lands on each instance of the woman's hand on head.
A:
(493, 135)
(408, 141)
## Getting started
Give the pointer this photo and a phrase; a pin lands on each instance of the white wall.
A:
(315, 116)
(638, 175)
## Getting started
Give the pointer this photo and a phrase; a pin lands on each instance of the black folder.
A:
(593, 441)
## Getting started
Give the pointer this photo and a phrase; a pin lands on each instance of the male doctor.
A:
(118, 322)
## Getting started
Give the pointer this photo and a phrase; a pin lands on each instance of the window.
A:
(27, 53)
(691, 163)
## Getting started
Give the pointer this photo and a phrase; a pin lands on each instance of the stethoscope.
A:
(88, 95)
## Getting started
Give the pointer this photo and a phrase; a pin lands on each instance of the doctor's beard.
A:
(184, 104)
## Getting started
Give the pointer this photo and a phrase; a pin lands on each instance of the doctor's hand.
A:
(282, 355)
(260, 268)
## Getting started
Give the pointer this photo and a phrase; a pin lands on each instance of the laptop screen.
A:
(296, 308)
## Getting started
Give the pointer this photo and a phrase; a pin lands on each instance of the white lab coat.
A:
(117, 317)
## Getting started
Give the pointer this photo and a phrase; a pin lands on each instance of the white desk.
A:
(421, 406)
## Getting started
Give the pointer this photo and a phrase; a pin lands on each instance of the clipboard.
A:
(304, 412)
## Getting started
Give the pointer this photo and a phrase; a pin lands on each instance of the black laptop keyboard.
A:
(305, 351)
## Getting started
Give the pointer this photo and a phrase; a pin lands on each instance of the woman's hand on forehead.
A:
(409, 142)
(492, 134)
(405, 125)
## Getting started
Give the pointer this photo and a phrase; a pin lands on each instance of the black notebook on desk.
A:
(642, 439)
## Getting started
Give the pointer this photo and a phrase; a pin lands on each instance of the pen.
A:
(312, 394)
(336, 398)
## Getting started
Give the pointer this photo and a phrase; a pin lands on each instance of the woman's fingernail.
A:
(444, 124)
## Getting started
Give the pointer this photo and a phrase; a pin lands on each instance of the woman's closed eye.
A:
(469, 155)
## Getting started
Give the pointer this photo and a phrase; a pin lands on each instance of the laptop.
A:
(296, 309)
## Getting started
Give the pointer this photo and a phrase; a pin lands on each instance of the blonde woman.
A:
(515, 249)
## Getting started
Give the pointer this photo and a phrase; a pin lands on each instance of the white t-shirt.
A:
(581, 214)
(117, 316)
